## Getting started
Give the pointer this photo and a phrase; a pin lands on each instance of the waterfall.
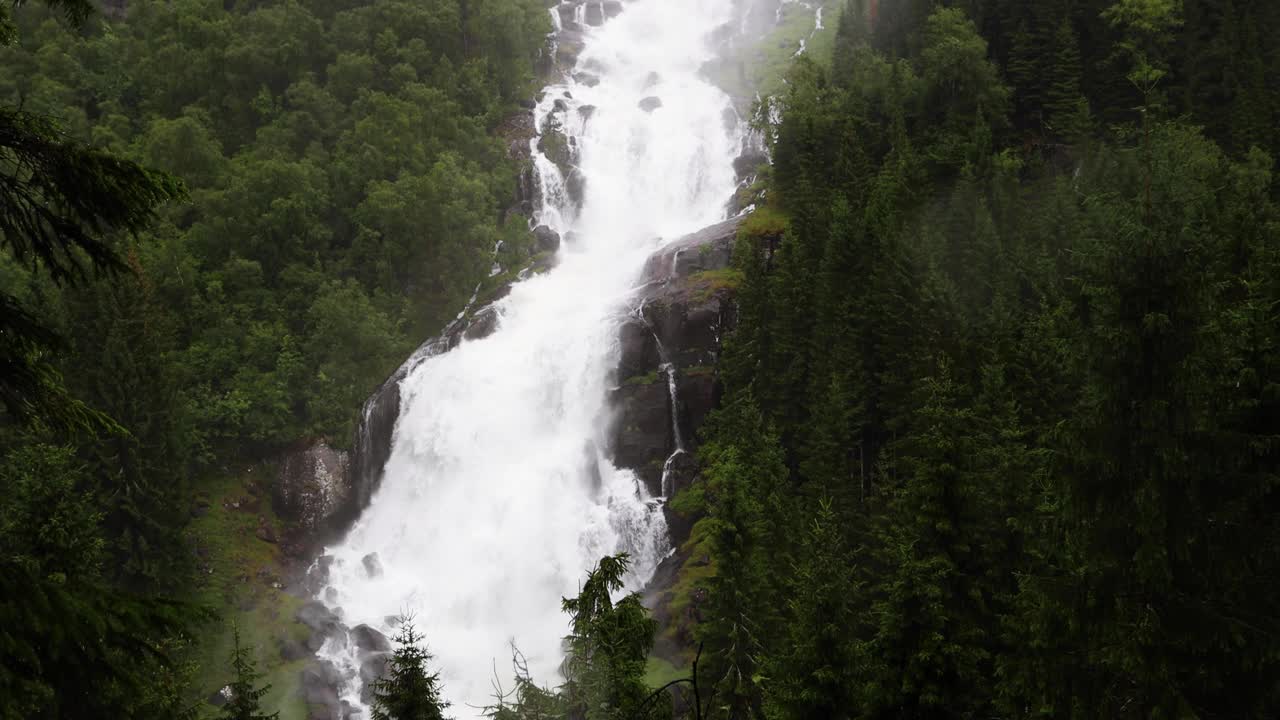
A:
(497, 495)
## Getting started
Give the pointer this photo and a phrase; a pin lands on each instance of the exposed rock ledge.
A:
(672, 338)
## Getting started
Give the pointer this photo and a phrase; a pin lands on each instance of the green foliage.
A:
(607, 648)
(324, 147)
(410, 691)
(1019, 376)
(244, 696)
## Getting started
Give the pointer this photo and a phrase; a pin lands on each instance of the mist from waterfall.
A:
(499, 496)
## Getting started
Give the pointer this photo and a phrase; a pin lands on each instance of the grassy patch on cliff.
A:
(765, 222)
(709, 282)
(659, 672)
(648, 378)
(242, 578)
(761, 66)
(770, 58)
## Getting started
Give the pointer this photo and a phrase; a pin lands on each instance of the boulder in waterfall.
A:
(555, 145)
(594, 15)
(372, 565)
(575, 184)
(545, 239)
(320, 685)
(567, 20)
(321, 621)
(612, 8)
(569, 44)
(373, 667)
(651, 81)
(560, 105)
(651, 103)
(483, 323)
(587, 79)
(586, 111)
(368, 640)
(314, 491)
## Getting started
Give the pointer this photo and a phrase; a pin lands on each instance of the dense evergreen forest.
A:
(1000, 435)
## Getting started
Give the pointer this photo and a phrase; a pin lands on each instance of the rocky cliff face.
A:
(669, 347)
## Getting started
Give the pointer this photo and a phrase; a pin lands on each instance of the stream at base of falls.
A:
(499, 495)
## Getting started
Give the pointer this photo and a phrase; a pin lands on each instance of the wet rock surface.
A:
(314, 489)
(676, 324)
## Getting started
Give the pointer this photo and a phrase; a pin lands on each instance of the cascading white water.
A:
(498, 497)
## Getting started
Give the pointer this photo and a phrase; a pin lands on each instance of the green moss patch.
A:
(709, 282)
(765, 222)
(648, 378)
(659, 672)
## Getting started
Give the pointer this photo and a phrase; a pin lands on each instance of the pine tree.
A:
(245, 697)
(813, 674)
(1062, 95)
(410, 691)
(933, 644)
(608, 646)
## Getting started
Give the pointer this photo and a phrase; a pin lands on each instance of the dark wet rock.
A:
(291, 650)
(586, 111)
(651, 81)
(681, 471)
(321, 621)
(560, 105)
(317, 575)
(612, 8)
(369, 640)
(265, 533)
(569, 46)
(651, 103)
(746, 164)
(638, 349)
(678, 473)
(555, 145)
(320, 685)
(373, 667)
(220, 697)
(567, 21)
(642, 436)
(483, 323)
(710, 248)
(314, 489)
(545, 239)
(587, 79)
(575, 184)
(372, 565)
(594, 15)
(679, 316)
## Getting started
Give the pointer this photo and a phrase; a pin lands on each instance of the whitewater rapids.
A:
(499, 496)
